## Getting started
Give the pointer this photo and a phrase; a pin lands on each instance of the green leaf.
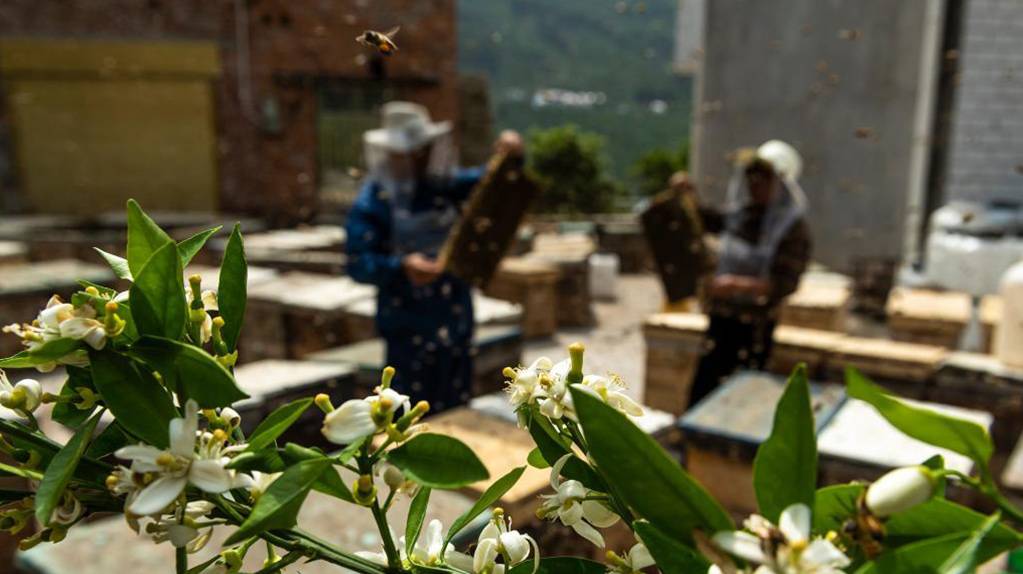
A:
(61, 469)
(330, 483)
(553, 449)
(267, 460)
(785, 468)
(274, 425)
(644, 476)
(108, 441)
(191, 370)
(965, 437)
(103, 291)
(940, 517)
(232, 290)
(561, 565)
(145, 238)
(536, 459)
(929, 555)
(191, 246)
(438, 461)
(490, 496)
(278, 507)
(158, 295)
(937, 462)
(964, 559)
(117, 263)
(672, 557)
(416, 516)
(835, 504)
(134, 397)
(8, 470)
(65, 412)
(47, 353)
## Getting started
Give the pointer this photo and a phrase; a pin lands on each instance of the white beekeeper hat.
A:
(782, 157)
(406, 127)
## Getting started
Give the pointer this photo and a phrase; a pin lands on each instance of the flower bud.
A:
(365, 492)
(92, 291)
(386, 376)
(322, 400)
(900, 490)
(393, 477)
(575, 353)
(417, 412)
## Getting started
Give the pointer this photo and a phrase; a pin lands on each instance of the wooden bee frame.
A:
(674, 230)
(489, 221)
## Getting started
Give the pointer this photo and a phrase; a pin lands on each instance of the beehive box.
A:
(13, 252)
(570, 253)
(723, 432)
(494, 347)
(624, 238)
(821, 302)
(533, 285)
(674, 345)
(25, 289)
(981, 382)
(859, 444)
(794, 345)
(938, 317)
(905, 368)
(312, 249)
(273, 383)
(1012, 475)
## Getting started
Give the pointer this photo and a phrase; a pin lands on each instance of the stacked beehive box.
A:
(905, 368)
(723, 432)
(570, 253)
(624, 238)
(938, 317)
(794, 345)
(313, 249)
(25, 289)
(674, 344)
(533, 285)
(981, 382)
(822, 302)
(13, 252)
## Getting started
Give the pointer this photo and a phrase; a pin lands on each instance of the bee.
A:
(866, 530)
(381, 41)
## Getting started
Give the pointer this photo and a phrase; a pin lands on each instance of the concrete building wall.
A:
(840, 80)
(986, 159)
(689, 30)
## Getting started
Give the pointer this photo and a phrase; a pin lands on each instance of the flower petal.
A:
(515, 545)
(182, 431)
(795, 523)
(640, 557)
(349, 422)
(158, 495)
(459, 560)
(210, 475)
(582, 528)
(180, 535)
(821, 552)
(556, 470)
(375, 557)
(598, 514)
(142, 454)
(741, 544)
(485, 554)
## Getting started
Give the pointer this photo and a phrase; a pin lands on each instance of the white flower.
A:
(193, 458)
(785, 549)
(524, 385)
(183, 532)
(360, 418)
(47, 327)
(23, 397)
(428, 548)
(569, 505)
(556, 401)
(899, 490)
(498, 539)
(635, 560)
(260, 482)
(610, 390)
(89, 330)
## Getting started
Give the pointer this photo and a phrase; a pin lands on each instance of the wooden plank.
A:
(489, 221)
(674, 231)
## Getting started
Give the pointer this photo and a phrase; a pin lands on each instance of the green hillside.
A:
(622, 49)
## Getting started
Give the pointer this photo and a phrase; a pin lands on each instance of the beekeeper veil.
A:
(784, 205)
(411, 157)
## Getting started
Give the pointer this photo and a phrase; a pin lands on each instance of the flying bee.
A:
(381, 41)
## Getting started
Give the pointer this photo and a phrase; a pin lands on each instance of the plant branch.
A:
(181, 560)
(283, 563)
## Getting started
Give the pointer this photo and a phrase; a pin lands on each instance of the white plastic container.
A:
(604, 276)
(1009, 334)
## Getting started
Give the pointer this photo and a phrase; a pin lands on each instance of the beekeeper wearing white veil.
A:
(408, 204)
(764, 249)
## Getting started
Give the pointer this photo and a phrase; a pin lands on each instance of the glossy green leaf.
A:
(835, 504)
(232, 290)
(134, 397)
(104, 291)
(145, 238)
(672, 556)
(274, 425)
(965, 559)
(644, 476)
(489, 497)
(958, 435)
(191, 246)
(108, 441)
(158, 295)
(560, 565)
(785, 468)
(118, 264)
(278, 507)
(61, 470)
(416, 517)
(191, 369)
(536, 459)
(48, 352)
(438, 461)
(928, 555)
(330, 482)
(553, 449)
(266, 460)
(940, 517)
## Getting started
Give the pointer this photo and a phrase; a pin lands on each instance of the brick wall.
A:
(986, 160)
(294, 47)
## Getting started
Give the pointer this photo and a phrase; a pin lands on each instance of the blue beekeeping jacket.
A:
(440, 312)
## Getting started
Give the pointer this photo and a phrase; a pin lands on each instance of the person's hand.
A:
(509, 143)
(420, 269)
(727, 286)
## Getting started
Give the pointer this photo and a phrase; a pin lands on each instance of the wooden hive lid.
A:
(927, 304)
(528, 266)
(891, 351)
(806, 338)
(684, 322)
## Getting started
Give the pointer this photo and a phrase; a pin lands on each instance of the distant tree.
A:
(570, 167)
(656, 166)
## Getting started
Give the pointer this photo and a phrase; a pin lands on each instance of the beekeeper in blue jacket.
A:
(407, 206)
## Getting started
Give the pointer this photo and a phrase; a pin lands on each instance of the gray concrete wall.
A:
(839, 80)
(986, 160)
